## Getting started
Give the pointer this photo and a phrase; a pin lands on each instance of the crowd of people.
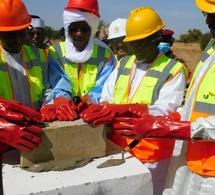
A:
(128, 79)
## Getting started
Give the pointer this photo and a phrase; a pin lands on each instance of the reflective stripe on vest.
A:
(201, 155)
(163, 69)
(206, 53)
(35, 61)
(83, 75)
(204, 102)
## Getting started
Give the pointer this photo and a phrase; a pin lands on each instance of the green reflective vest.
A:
(162, 70)
(82, 75)
(205, 99)
(200, 154)
(35, 62)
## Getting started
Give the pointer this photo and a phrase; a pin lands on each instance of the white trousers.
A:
(187, 182)
(159, 172)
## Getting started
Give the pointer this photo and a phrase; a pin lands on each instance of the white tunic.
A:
(170, 96)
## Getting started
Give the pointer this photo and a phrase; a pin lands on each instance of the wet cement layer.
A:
(60, 165)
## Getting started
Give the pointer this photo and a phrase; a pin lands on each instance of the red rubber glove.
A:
(92, 109)
(48, 113)
(150, 126)
(86, 101)
(66, 110)
(173, 116)
(16, 111)
(21, 136)
(109, 112)
(83, 105)
(141, 111)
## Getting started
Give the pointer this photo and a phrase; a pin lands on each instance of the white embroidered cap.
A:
(38, 22)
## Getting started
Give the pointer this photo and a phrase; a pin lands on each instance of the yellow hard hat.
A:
(206, 5)
(141, 23)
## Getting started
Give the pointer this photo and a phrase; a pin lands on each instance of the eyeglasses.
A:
(205, 14)
(84, 29)
(117, 40)
(32, 33)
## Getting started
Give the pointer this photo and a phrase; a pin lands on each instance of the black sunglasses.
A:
(117, 40)
(32, 33)
(205, 14)
(74, 29)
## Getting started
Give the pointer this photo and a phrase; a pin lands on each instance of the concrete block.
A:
(66, 145)
(129, 178)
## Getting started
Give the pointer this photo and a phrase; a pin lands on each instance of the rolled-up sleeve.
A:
(203, 128)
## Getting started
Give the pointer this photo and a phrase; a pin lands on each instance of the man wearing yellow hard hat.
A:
(197, 124)
(147, 77)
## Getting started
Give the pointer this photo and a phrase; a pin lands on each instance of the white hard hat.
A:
(117, 28)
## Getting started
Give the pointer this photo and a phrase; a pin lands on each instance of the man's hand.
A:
(85, 102)
(91, 113)
(48, 113)
(66, 110)
(149, 126)
(16, 111)
(106, 114)
(22, 136)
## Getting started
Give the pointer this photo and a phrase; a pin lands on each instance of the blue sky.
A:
(179, 15)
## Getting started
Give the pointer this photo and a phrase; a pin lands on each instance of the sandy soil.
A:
(190, 53)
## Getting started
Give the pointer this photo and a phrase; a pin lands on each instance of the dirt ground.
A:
(190, 53)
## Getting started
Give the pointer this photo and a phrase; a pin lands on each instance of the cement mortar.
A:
(60, 165)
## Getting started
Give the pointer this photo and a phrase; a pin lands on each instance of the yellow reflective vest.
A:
(82, 75)
(162, 70)
(35, 62)
(201, 155)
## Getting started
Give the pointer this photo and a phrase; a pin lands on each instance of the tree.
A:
(51, 33)
(184, 38)
(193, 35)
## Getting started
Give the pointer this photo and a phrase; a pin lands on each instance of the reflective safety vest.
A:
(162, 70)
(35, 62)
(82, 75)
(201, 155)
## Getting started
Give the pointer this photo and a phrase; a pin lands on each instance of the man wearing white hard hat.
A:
(116, 34)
